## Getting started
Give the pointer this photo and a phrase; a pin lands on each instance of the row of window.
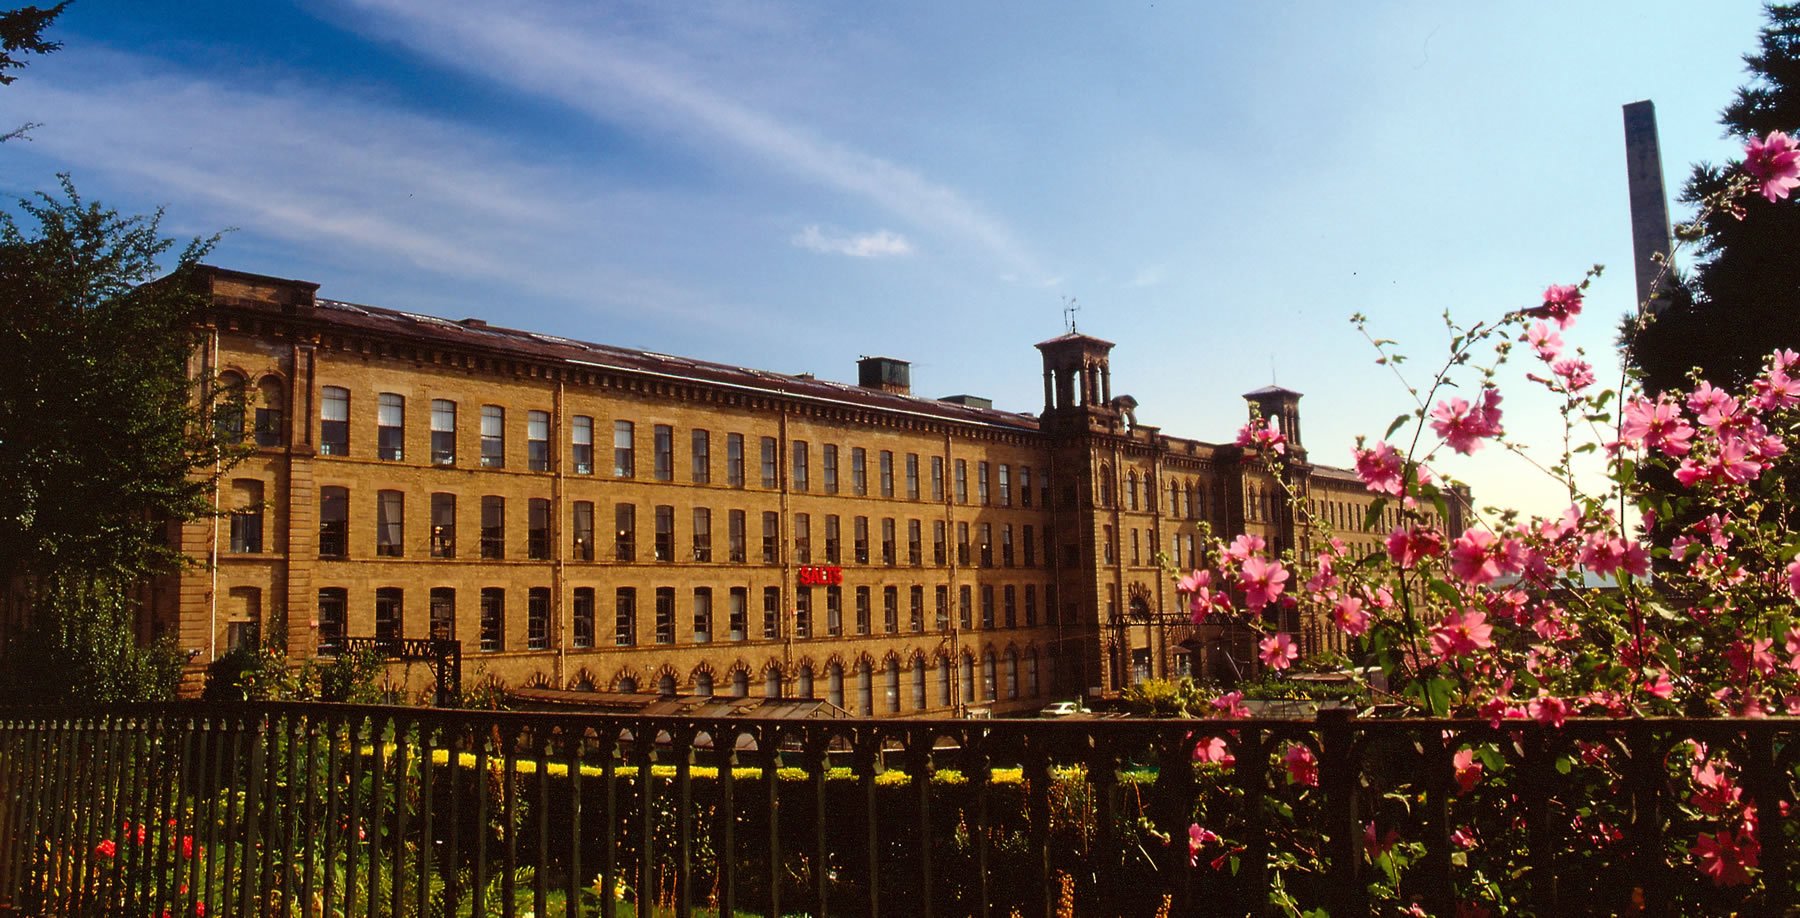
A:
(696, 623)
(1143, 549)
(974, 543)
(1000, 672)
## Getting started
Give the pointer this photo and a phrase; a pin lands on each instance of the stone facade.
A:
(585, 516)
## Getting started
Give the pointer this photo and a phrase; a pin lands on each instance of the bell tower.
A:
(1077, 382)
(1281, 408)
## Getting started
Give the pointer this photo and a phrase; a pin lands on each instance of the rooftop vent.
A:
(475, 323)
(970, 401)
(884, 373)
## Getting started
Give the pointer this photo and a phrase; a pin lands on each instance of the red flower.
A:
(106, 848)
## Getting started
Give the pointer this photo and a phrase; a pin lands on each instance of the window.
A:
(1106, 486)
(625, 617)
(892, 688)
(537, 441)
(1031, 615)
(493, 527)
(771, 622)
(701, 447)
(1005, 485)
(888, 554)
(937, 478)
(493, 619)
(962, 481)
(1137, 556)
(581, 444)
(863, 612)
(941, 595)
(803, 612)
(988, 677)
(861, 534)
(625, 532)
(938, 555)
(987, 544)
(966, 608)
(443, 432)
(981, 483)
(771, 537)
(834, 684)
(390, 427)
(665, 615)
(228, 410)
(890, 609)
(443, 525)
(737, 612)
(918, 667)
(1012, 674)
(539, 618)
(735, 537)
(734, 460)
(243, 623)
(582, 524)
(915, 543)
(859, 471)
(390, 613)
(802, 538)
(831, 478)
(987, 606)
(916, 609)
(1010, 605)
(247, 515)
(334, 522)
(1024, 485)
(334, 421)
(1031, 673)
(1006, 545)
(771, 475)
(1030, 547)
(962, 544)
(334, 603)
(968, 679)
(443, 614)
(834, 611)
(799, 471)
(703, 615)
(624, 459)
(702, 534)
(1106, 544)
(665, 533)
(268, 413)
(390, 523)
(493, 437)
(582, 617)
(943, 672)
(912, 476)
(887, 473)
(832, 542)
(537, 533)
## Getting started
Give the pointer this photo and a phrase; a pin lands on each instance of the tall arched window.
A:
(1131, 491)
(990, 681)
(228, 408)
(1012, 674)
(919, 683)
(893, 686)
(740, 683)
(968, 679)
(834, 684)
(270, 403)
(943, 679)
(628, 684)
(1106, 486)
(865, 689)
(772, 682)
(666, 684)
(803, 681)
(703, 684)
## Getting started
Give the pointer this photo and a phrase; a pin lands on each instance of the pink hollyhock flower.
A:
(1468, 770)
(1776, 389)
(1302, 766)
(1381, 469)
(1348, 614)
(1793, 577)
(1262, 581)
(1713, 407)
(1656, 425)
(1213, 751)
(1408, 545)
(1726, 858)
(1605, 554)
(1562, 302)
(1378, 846)
(1756, 655)
(1193, 581)
(1545, 341)
(1463, 425)
(1774, 162)
(1242, 547)
(1475, 557)
(1198, 838)
(1259, 435)
(1463, 837)
(1549, 710)
(1659, 686)
(1279, 651)
(1576, 374)
(1462, 634)
(1231, 704)
(1206, 601)
(1326, 576)
(1716, 791)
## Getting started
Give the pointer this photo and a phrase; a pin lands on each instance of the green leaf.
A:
(1399, 422)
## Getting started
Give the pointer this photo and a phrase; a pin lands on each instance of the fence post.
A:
(1338, 770)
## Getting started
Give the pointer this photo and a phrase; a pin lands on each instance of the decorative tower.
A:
(1282, 409)
(1077, 383)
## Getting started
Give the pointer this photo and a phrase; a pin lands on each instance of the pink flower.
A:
(1231, 704)
(1463, 425)
(1302, 766)
(1213, 751)
(1198, 838)
(1475, 557)
(1656, 425)
(1193, 581)
(1775, 163)
(1716, 792)
(1793, 577)
(1468, 771)
(1408, 545)
(1545, 341)
(1659, 686)
(1279, 651)
(1726, 858)
(1244, 546)
(1348, 614)
(1259, 435)
(1462, 634)
(1262, 581)
(106, 848)
(1604, 554)
(1378, 846)
(1562, 302)
(1576, 374)
(1549, 710)
(1381, 469)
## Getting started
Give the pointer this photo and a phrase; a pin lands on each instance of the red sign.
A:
(821, 576)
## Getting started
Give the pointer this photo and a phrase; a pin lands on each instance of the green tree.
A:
(22, 33)
(1741, 300)
(104, 446)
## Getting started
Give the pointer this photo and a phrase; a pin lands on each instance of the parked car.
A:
(1060, 709)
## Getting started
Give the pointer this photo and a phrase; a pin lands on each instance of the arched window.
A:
(1195, 496)
(943, 680)
(1031, 674)
(834, 684)
(919, 683)
(1012, 674)
(803, 682)
(269, 412)
(666, 684)
(968, 679)
(865, 689)
(740, 683)
(228, 408)
(1131, 492)
(627, 684)
(1106, 487)
(990, 681)
(772, 682)
(893, 686)
(703, 685)
(1175, 499)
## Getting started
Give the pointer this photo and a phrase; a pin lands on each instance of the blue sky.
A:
(789, 186)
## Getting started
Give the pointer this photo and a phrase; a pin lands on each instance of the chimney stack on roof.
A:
(885, 374)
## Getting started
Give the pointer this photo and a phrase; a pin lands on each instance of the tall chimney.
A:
(1651, 240)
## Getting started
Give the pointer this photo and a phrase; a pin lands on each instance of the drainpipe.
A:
(212, 551)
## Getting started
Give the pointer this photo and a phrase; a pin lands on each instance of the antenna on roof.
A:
(1070, 308)
(1272, 380)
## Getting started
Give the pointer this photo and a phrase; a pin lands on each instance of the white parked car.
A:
(1060, 709)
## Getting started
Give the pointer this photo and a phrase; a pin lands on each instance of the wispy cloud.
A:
(614, 80)
(879, 244)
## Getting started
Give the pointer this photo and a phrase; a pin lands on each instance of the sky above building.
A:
(1218, 187)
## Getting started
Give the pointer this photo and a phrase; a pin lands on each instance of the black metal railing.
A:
(318, 809)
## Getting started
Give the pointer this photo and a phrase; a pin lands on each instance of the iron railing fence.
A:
(322, 809)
